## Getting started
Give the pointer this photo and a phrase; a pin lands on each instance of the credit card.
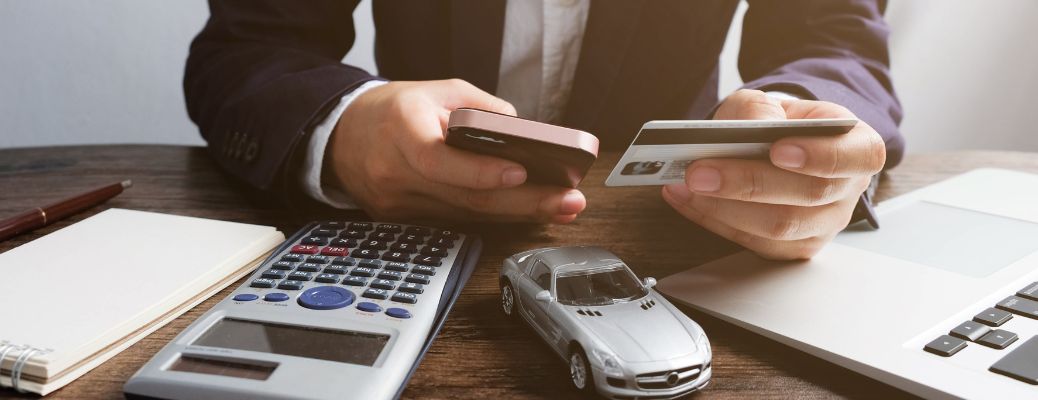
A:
(662, 150)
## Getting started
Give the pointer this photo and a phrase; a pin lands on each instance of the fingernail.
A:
(679, 191)
(572, 203)
(705, 179)
(789, 156)
(513, 176)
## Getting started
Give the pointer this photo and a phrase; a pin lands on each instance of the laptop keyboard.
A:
(1020, 363)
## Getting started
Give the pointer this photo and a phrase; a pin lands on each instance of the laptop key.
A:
(998, 339)
(1021, 363)
(1019, 306)
(945, 346)
(970, 330)
(1030, 292)
(993, 317)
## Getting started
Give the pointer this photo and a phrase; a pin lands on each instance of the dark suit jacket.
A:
(262, 73)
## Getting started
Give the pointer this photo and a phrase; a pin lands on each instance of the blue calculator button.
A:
(398, 313)
(245, 297)
(275, 297)
(368, 306)
(326, 298)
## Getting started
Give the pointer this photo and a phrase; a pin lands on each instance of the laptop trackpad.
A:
(948, 238)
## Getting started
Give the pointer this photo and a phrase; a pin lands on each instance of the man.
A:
(265, 85)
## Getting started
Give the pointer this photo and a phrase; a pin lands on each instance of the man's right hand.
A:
(388, 153)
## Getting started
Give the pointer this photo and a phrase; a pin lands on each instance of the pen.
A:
(42, 216)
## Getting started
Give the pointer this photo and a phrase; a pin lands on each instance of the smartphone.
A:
(552, 155)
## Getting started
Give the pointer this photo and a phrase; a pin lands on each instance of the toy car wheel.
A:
(508, 299)
(580, 371)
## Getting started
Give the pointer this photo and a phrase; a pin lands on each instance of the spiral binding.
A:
(25, 353)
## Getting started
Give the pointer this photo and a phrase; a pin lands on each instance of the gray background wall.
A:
(108, 71)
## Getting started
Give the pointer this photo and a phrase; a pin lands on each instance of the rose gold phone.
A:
(552, 155)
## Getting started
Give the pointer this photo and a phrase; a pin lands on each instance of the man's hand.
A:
(790, 206)
(389, 155)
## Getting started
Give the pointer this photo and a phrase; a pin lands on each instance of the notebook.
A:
(74, 298)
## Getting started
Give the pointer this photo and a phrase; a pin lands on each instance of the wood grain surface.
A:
(479, 354)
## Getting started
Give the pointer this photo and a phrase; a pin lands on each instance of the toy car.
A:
(617, 333)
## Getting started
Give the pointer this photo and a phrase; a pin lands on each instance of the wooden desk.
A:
(479, 354)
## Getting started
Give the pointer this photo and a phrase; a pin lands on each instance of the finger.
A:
(770, 221)
(759, 181)
(750, 104)
(542, 203)
(437, 162)
(856, 153)
(767, 248)
(459, 93)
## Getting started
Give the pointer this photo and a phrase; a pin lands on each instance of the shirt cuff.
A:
(775, 94)
(314, 160)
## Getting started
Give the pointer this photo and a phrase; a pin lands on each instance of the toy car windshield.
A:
(598, 287)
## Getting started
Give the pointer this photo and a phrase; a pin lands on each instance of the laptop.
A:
(940, 302)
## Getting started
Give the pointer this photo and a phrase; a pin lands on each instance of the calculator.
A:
(340, 310)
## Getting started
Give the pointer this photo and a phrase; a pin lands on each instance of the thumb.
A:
(750, 104)
(463, 94)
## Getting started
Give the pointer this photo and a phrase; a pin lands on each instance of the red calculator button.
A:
(335, 251)
(304, 249)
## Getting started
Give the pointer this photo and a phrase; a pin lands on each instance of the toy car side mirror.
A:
(544, 296)
(649, 282)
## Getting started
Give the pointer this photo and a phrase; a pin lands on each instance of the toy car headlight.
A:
(607, 362)
(703, 342)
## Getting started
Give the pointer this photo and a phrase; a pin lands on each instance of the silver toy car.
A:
(617, 333)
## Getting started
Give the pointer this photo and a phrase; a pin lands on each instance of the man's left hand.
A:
(790, 206)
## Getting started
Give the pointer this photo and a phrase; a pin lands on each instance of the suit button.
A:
(251, 151)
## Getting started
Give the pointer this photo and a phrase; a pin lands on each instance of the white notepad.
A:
(74, 298)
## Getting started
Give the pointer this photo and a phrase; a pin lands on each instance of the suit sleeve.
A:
(832, 50)
(260, 74)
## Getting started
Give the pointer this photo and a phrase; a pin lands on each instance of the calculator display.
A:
(325, 344)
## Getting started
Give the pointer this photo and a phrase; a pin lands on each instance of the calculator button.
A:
(396, 266)
(340, 242)
(446, 233)
(410, 239)
(373, 244)
(263, 283)
(333, 224)
(344, 261)
(405, 298)
(398, 313)
(380, 294)
(365, 253)
(993, 317)
(352, 234)
(1020, 363)
(275, 297)
(368, 306)
(382, 236)
(970, 330)
(308, 267)
(273, 274)
(1030, 292)
(299, 276)
(382, 284)
(304, 249)
(418, 231)
(245, 297)
(362, 226)
(434, 251)
(427, 260)
(363, 271)
(326, 298)
(327, 278)
(323, 232)
(290, 285)
(335, 269)
(404, 247)
(292, 258)
(315, 240)
(945, 346)
(335, 251)
(1019, 306)
(424, 269)
(411, 288)
(373, 264)
(391, 228)
(998, 339)
(418, 278)
(354, 281)
(395, 256)
(391, 275)
(282, 265)
(442, 242)
(318, 259)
